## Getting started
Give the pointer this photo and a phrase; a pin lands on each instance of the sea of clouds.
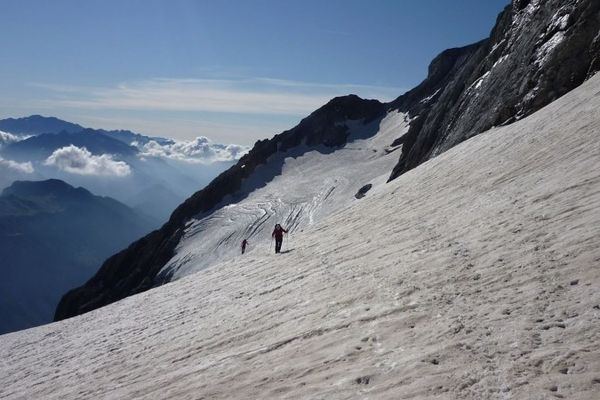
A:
(78, 160)
(22, 167)
(199, 150)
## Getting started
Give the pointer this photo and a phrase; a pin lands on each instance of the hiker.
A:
(244, 244)
(278, 235)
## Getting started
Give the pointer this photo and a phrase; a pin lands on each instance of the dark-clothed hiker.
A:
(244, 244)
(278, 235)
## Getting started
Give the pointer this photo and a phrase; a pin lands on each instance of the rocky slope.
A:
(537, 52)
(473, 276)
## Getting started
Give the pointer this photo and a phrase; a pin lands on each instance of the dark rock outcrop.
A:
(136, 268)
(363, 191)
(537, 52)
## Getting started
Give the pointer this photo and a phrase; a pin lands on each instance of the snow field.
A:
(308, 187)
(473, 276)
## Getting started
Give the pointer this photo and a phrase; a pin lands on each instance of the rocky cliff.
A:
(538, 51)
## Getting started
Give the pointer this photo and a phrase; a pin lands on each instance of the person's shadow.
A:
(286, 251)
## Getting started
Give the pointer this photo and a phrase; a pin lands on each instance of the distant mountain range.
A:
(41, 146)
(53, 237)
(147, 179)
(129, 137)
(37, 124)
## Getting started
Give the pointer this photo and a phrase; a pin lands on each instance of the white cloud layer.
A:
(25, 167)
(199, 150)
(6, 138)
(78, 160)
(241, 96)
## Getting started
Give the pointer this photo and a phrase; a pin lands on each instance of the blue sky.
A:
(235, 71)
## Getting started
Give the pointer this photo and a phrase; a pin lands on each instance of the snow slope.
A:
(310, 186)
(473, 276)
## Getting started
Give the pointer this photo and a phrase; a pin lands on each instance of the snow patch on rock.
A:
(429, 98)
(475, 86)
(544, 51)
(500, 60)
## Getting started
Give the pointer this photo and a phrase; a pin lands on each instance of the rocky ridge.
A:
(538, 51)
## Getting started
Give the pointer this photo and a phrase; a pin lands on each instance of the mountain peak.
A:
(37, 124)
(352, 104)
(35, 189)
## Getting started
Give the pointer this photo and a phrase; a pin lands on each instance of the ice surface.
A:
(473, 276)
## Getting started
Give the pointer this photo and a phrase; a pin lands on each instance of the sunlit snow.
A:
(473, 276)
(305, 189)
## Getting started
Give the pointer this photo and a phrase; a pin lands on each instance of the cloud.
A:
(6, 138)
(230, 110)
(25, 167)
(78, 160)
(244, 130)
(199, 150)
(241, 96)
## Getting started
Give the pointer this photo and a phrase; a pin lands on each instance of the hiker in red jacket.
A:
(278, 235)
(244, 244)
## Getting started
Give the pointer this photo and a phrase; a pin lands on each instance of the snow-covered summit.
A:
(473, 276)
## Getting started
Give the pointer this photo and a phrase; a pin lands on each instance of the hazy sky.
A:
(235, 71)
